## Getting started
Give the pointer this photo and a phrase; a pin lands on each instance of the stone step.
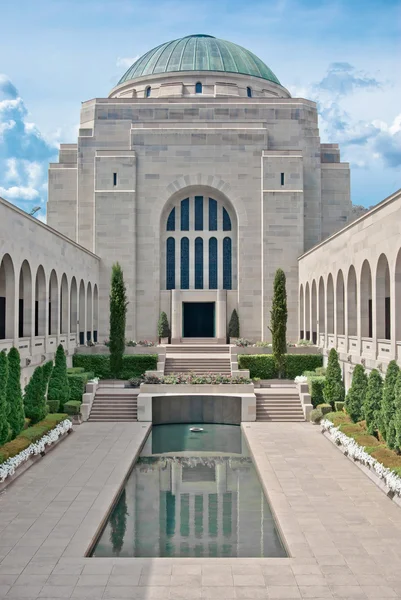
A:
(278, 419)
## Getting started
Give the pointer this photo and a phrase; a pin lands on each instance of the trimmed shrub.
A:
(296, 364)
(320, 371)
(13, 448)
(316, 385)
(337, 418)
(263, 366)
(316, 416)
(233, 325)
(75, 370)
(278, 322)
(53, 406)
(58, 384)
(324, 408)
(72, 407)
(163, 328)
(339, 406)
(16, 415)
(334, 390)
(356, 395)
(118, 312)
(77, 384)
(4, 406)
(397, 416)
(134, 365)
(373, 400)
(34, 399)
(387, 417)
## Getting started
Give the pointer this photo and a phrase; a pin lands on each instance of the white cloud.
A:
(125, 61)
(19, 193)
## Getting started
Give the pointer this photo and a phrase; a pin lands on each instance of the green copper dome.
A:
(199, 53)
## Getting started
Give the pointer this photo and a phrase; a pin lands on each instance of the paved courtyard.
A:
(343, 534)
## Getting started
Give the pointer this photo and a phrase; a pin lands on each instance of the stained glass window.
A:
(171, 221)
(170, 263)
(185, 215)
(226, 221)
(212, 215)
(198, 213)
(227, 267)
(198, 88)
(185, 263)
(213, 263)
(199, 264)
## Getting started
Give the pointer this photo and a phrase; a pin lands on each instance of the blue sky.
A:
(344, 54)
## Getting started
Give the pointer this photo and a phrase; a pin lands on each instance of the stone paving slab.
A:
(342, 533)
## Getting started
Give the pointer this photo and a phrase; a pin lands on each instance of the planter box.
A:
(222, 388)
(101, 349)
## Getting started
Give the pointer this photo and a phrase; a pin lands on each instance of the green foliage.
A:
(34, 399)
(387, 424)
(397, 416)
(316, 385)
(118, 312)
(278, 322)
(16, 415)
(373, 400)
(356, 395)
(163, 328)
(233, 325)
(72, 407)
(337, 418)
(118, 523)
(263, 365)
(133, 365)
(324, 408)
(334, 390)
(339, 406)
(316, 416)
(75, 370)
(77, 383)
(58, 384)
(4, 406)
(53, 406)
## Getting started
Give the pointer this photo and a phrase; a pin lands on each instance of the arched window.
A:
(212, 215)
(226, 221)
(213, 263)
(227, 268)
(249, 92)
(170, 263)
(199, 264)
(148, 91)
(198, 213)
(198, 88)
(185, 215)
(185, 263)
(171, 221)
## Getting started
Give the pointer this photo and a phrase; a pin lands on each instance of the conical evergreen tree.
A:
(118, 312)
(333, 390)
(16, 416)
(278, 321)
(397, 416)
(34, 399)
(355, 399)
(387, 425)
(4, 407)
(59, 389)
(373, 401)
(233, 325)
(163, 328)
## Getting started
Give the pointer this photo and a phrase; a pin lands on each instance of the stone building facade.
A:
(200, 132)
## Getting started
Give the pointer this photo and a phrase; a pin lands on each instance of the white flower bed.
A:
(358, 454)
(9, 466)
(300, 379)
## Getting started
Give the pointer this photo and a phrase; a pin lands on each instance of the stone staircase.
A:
(114, 402)
(281, 403)
(186, 358)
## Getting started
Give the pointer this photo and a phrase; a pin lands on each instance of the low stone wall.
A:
(102, 349)
(257, 350)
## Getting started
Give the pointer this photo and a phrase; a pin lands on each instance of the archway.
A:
(330, 304)
(383, 311)
(301, 313)
(95, 312)
(73, 306)
(352, 308)
(366, 301)
(7, 298)
(82, 313)
(89, 313)
(340, 304)
(322, 327)
(307, 312)
(314, 313)
(54, 328)
(40, 302)
(25, 301)
(64, 305)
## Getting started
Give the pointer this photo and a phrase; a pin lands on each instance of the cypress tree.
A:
(278, 321)
(16, 416)
(333, 390)
(163, 328)
(397, 416)
(34, 399)
(373, 401)
(233, 325)
(387, 426)
(118, 312)
(58, 392)
(355, 399)
(4, 407)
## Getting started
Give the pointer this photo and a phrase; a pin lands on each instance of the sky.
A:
(343, 54)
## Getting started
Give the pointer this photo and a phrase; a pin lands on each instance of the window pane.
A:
(171, 221)
(227, 269)
(198, 88)
(185, 215)
(170, 264)
(198, 213)
(212, 215)
(226, 221)
(199, 264)
(213, 264)
(185, 264)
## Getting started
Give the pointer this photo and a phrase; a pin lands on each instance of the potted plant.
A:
(163, 328)
(233, 327)
(256, 382)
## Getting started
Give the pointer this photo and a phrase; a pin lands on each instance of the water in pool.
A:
(192, 494)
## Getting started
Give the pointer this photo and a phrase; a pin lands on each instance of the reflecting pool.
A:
(192, 494)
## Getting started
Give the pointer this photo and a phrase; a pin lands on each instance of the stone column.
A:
(176, 325)
(221, 315)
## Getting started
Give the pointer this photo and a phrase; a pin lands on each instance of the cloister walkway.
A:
(344, 535)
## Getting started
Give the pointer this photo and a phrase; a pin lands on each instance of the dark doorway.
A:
(198, 319)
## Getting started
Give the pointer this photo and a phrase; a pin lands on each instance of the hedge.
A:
(72, 407)
(316, 384)
(77, 383)
(134, 365)
(75, 370)
(30, 435)
(262, 365)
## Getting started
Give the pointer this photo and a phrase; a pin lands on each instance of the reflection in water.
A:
(192, 504)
